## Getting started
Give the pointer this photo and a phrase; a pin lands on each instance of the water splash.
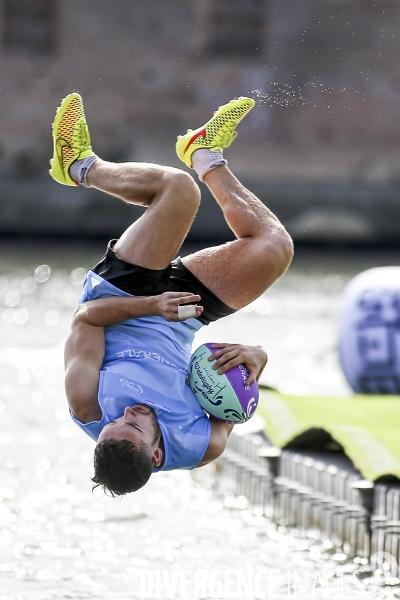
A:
(285, 95)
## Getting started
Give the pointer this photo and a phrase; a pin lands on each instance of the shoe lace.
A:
(81, 136)
(225, 135)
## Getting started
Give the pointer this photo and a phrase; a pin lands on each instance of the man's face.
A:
(138, 425)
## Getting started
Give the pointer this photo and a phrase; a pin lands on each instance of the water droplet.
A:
(42, 273)
(21, 316)
(37, 397)
(12, 298)
(8, 316)
(51, 318)
(24, 377)
(28, 285)
(77, 276)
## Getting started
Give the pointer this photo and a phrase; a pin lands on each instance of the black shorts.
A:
(140, 281)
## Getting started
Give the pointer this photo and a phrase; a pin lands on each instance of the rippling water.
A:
(59, 540)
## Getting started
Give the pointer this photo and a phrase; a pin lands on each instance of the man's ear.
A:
(157, 456)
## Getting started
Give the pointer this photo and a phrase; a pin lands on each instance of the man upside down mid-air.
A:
(131, 337)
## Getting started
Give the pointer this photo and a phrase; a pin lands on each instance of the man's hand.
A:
(231, 355)
(168, 304)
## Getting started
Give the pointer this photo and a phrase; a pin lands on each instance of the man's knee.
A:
(154, 180)
(287, 248)
(184, 184)
(279, 247)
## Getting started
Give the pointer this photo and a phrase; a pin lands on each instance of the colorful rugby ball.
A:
(225, 397)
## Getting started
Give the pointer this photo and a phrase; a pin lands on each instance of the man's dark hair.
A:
(120, 466)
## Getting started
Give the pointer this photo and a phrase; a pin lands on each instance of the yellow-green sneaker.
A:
(218, 133)
(70, 137)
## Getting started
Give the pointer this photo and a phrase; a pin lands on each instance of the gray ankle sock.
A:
(79, 169)
(205, 160)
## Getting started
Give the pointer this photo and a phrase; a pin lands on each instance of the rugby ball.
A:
(225, 397)
(369, 341)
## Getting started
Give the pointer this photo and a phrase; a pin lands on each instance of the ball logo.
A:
(245, 375)
(251, 407)
(207, 386)
(224, 396)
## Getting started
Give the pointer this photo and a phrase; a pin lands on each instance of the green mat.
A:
(367, 427)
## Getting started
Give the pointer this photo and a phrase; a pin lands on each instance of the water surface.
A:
(59, 540)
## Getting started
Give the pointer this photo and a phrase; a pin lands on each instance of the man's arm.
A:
(220, 432)
(84, 348)
(84, 353)
(115, 309)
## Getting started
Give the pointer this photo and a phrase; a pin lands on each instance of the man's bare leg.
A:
(238, 272)
(171, 197)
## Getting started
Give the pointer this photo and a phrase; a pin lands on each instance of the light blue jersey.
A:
(146, 362)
